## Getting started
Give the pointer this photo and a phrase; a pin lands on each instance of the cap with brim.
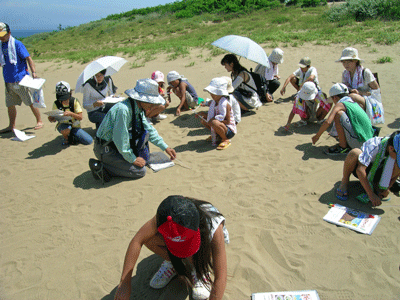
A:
(308, 91)
(157, 76)
(4, 29)
(217, 86)
(173, 75)
(63, 91)
(349, 53)
(182, 242)
(305, 62)
(146, 90)
(338, 89)
(396, 145)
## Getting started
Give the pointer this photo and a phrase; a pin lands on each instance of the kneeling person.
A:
(119, 151)
(70, 128)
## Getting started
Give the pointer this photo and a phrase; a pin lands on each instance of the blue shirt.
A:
(15, 73)
(115, 126)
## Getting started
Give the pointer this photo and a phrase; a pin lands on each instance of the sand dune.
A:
(64, 235)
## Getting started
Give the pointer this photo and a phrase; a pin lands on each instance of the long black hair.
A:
(237, 67)
(202, 259)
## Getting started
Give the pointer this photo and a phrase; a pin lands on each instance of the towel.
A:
(12, 52)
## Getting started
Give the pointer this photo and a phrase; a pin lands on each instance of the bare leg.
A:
(12, 116)
(36, 112)
(358, 99)
(321, 113)
(293, 81)
(350, 164)
(340, 130)
(157, 245)
(65, 133)
(220, 129)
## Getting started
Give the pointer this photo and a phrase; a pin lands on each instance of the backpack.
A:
(261, 84)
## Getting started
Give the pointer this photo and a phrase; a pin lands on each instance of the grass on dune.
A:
(143, 37)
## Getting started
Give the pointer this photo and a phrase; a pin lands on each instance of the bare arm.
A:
(145, 233)
(31, 66)
(362, 176)
(338, 107)
(77, 116)
(283, 90)
(220, 265)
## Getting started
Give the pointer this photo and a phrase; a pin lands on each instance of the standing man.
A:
(14, 59)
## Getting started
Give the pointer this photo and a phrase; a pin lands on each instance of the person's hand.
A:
(283, 90)
(123, 292)
(52, 119)
(269, 98)
(67, 113)
(171, 152)
(277, 77)
(98, 103)
(315, 139)
(354, 91)
(178, 112)
(375, 200)
(139, 162)
(34, 75)
(383, 193)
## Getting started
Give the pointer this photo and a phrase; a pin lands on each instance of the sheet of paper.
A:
(292, 295)
(113, 99)
(35, 83)
(58, 115)
(21, 136)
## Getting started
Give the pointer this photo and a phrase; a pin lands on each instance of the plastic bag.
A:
(374, 107)
(38, 98)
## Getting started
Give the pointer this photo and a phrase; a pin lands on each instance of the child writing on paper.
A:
(70, 129)
(190, 236)
(220, 118)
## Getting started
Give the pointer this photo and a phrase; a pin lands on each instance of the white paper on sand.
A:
(34, 83)
(159, 161)
(21, 136)
(353, 219)
(113, 99)
(58, 115)
(292, 295)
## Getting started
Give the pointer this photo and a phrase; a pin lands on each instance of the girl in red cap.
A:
(189, 235)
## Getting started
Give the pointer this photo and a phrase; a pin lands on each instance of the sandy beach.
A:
(64, 235)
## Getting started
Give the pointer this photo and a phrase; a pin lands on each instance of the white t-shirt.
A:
(303, 76)
(216, 221)
(370, 149)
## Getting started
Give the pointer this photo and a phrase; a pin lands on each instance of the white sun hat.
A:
(229, 88)
(174, 75)
(308, 91)
(218, 86)
(276, 56)
(146, 90)
(349, 53)
(337, 89)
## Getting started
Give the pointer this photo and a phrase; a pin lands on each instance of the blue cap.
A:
(396, 145)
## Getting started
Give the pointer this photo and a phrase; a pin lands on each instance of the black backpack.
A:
(261, 84)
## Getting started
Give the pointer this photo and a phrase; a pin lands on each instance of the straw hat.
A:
(308, 91)
(218, 86)
(276, 56)
(157, 76)
(146, 90)
(337, 89)
(349, 53)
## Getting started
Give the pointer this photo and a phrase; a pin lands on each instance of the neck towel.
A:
(12, 52)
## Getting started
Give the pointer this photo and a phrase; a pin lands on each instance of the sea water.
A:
(18, 34)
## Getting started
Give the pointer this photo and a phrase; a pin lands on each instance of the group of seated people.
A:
(124, 129)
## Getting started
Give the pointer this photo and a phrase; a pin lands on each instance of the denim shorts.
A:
(229, 133)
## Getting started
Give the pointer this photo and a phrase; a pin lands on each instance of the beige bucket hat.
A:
(349, 53)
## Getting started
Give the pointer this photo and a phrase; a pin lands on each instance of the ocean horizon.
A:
(25, 33)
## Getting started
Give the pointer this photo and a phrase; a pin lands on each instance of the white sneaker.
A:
(149, 121)
(160, 117)
(200, 290)
(163, 275)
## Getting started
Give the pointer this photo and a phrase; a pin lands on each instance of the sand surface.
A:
(64, 235)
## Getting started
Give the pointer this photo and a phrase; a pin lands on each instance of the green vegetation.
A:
(145, 33)
(385, 59)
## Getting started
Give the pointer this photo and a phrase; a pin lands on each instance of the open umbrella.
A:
(111, 64)
(244, 47)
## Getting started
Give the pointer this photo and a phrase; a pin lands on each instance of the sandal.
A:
(224, 145)
(335, 150)
(98, 170)
(342, 195)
